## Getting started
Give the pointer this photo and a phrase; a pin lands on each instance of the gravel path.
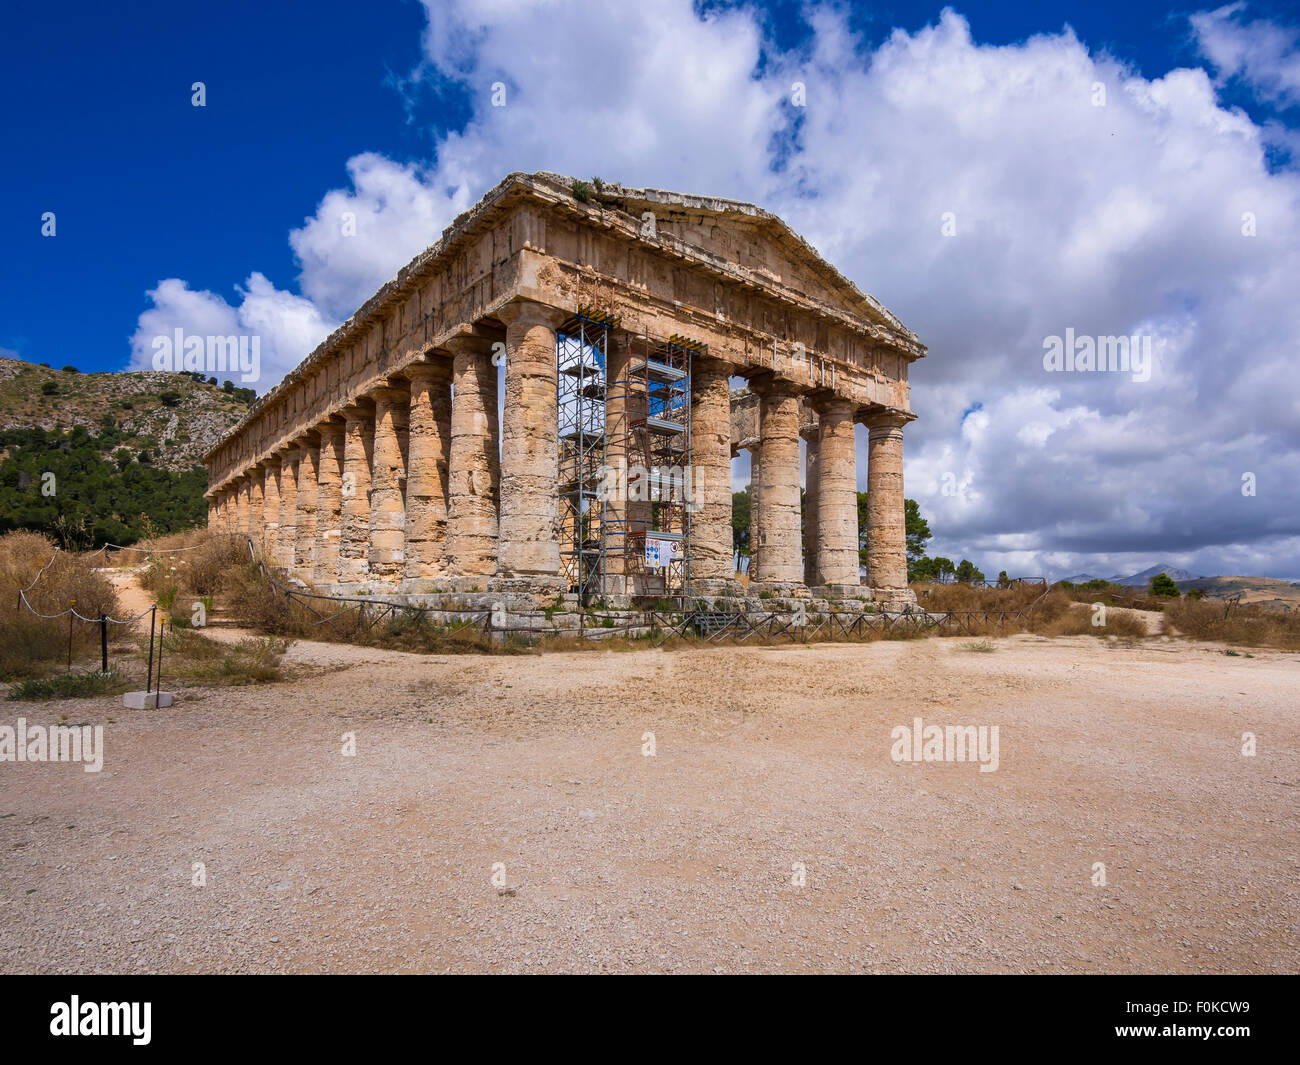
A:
(683, 861)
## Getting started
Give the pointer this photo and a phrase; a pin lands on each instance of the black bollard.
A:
(148, 680)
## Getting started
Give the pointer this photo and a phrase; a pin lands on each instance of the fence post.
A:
(103, 643)
(161, 626)
(148, 680)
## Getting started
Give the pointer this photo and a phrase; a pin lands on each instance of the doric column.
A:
(837, 496)
(811, 499)
(711, 548)
(271, 510)
(428, 463)
(287, 540)
(886, 520)
(256, 478)
(780, 560)
(474, 476)
(387, 480)
(755, 492)
(304, 555)
(358, 443)
(241, 505)
(530, 542)
(329, 502)
(617, 359)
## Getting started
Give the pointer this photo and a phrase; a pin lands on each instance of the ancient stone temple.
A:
(542, 403)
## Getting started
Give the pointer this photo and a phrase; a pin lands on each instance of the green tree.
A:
(967, 571)
(740, 511)
(1163, 585)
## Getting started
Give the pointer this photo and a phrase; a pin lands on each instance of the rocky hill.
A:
(174, 417)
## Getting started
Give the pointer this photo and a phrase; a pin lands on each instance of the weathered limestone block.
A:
(304, 557)
(780, 559)
(474, 476)
(711, 537)
(836, 510)
(329, 502)
(354, 540)
(271, 508)
(428, 463)
(530, 542)
(886, 524)
(287, 540)
(811, 499)
(387, 480)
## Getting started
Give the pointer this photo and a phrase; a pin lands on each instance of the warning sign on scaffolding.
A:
(659, 553)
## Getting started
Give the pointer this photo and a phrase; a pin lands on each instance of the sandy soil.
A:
(681, 861)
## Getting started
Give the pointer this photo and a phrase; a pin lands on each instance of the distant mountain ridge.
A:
(1136, 580)
(174, 417)
(1143, 577)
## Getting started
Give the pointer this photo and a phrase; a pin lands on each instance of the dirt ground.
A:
(684, 860)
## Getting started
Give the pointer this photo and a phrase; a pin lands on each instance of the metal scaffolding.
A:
(581, 345)
(658, 445)
(624, 463)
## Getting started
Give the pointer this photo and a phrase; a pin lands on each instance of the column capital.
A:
(530, 312)
(768, 384)
(275, 458)
(331, 427)
(388, 394)
(832, 406)
(710, 364)
(421, 372)
(883, 418)
(361, 409)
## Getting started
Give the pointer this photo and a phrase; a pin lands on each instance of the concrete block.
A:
(146, 700)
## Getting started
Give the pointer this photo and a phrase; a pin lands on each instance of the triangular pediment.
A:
(740, 234)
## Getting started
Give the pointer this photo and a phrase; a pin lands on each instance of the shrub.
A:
(1249, 625)
(50, 388)
(30, 645)
(69, 686)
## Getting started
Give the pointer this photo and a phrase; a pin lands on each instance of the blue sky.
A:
(1122, 218)
(145, 186)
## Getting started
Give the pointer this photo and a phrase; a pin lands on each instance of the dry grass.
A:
(189, 658)
(969, 597)
(193, 562)
(31, 646)
(1246, 626)
(258, 604)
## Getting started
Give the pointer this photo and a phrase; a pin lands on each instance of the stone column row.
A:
(830, 530)
(405, 485)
